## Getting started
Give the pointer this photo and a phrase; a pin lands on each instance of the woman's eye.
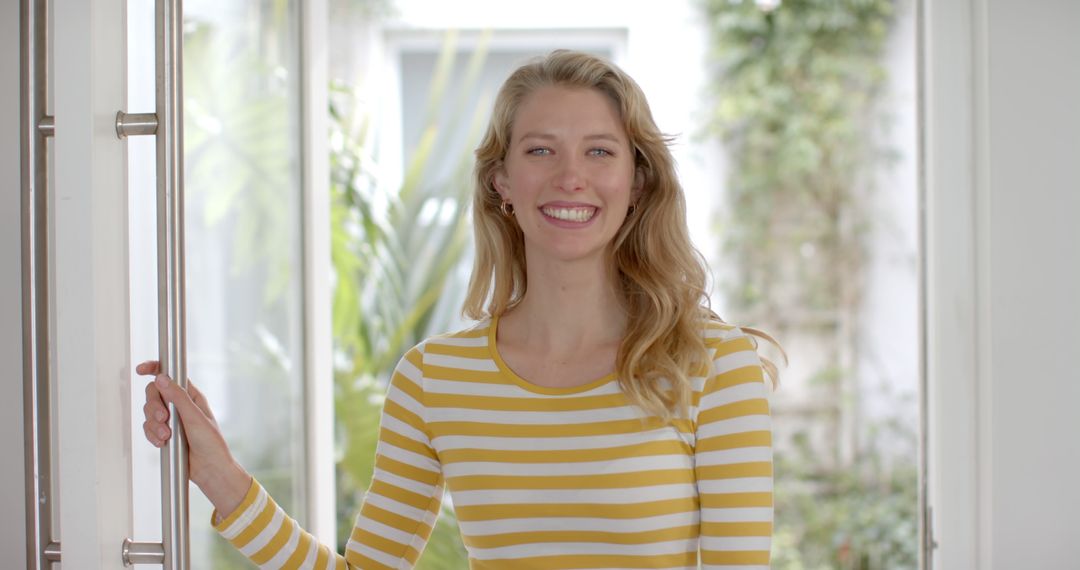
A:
(539, 151)
(600, 152)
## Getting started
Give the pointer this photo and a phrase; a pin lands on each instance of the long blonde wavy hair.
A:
(661, 276)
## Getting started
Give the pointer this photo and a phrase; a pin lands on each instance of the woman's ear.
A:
(499, 180)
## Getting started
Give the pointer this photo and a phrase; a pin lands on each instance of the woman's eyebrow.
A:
(536, 135)
(549, 136)
(604, 137)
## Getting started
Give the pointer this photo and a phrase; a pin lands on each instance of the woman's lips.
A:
(575, 214)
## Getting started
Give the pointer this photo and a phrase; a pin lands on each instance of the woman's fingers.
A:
(155, 412)
(157, 434)
(148, 368)
(153, 395)
(208, 452)
(154, 409)
(192, 407)
(170, 392)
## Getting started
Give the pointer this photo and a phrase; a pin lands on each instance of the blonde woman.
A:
(598, 416)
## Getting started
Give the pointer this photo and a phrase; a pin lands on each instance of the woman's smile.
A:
(569, 215)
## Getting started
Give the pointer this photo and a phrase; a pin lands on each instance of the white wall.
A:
(12, 480)
(888, 370)
(1003, 139)
(1032, 310)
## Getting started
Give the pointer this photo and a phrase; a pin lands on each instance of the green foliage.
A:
(393, 252)
(862, 517)
(794, 102)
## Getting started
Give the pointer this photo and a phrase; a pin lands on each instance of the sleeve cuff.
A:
(250, 499)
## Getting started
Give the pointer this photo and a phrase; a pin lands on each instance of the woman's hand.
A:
(210, 463)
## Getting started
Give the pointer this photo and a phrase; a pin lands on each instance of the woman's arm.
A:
(399, 509)
(733, 457)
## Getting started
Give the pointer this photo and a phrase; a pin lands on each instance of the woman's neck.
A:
(566, 308)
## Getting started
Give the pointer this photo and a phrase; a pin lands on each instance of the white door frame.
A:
(321, 516)
(90, 269)
(954, 307)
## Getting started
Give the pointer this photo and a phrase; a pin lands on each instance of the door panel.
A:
(245, 319)
(243, 248)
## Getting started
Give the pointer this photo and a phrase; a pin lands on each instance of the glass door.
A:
(244, 260)
(90, 228)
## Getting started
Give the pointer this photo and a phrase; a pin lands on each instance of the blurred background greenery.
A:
(796, 100)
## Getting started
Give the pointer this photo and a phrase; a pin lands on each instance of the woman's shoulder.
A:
(466, 342)
(723, 339)
(717, 332)
(473, 335)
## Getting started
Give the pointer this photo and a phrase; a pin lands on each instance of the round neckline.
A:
(505, 369)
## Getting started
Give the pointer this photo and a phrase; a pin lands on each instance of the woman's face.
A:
(569, 173)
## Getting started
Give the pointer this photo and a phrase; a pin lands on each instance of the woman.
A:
(598, 416)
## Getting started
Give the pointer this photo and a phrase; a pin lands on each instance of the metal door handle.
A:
(167, 124)
(35, 127)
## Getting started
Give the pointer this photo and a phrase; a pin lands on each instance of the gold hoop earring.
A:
(507, 209)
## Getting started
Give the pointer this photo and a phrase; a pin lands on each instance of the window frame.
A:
(955, 211)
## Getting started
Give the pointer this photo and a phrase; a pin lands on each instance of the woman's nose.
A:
(570, 177)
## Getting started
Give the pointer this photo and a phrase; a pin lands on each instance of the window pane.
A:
(245, 342)
(243, 248)
(812, 235)
(820, 241)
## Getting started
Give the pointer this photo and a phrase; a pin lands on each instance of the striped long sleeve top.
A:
(549, 477)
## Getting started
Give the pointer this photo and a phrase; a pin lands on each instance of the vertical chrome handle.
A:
(172, 330)
(167, 123)
(35, 127)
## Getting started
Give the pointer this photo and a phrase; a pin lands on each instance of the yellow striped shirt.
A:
(550, 477)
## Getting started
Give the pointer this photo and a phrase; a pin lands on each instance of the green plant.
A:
(793, 100)
(859, 517)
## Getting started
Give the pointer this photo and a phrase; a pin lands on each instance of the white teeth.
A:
(570, 214)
